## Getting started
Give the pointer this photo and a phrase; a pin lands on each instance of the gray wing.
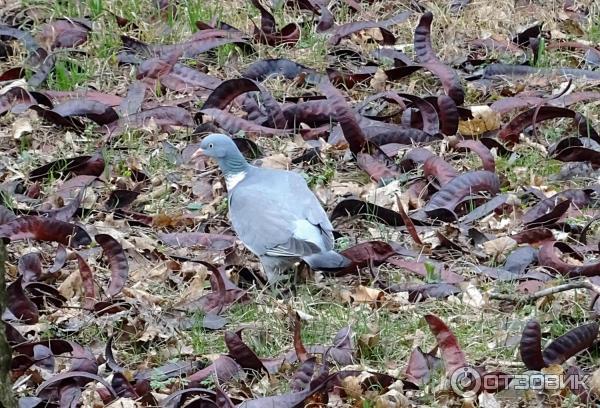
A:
(282, 218)
(311, 209)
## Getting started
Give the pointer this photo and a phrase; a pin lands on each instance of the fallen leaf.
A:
(472, 296)
(484, 120)
(20, 127)
(379, 80)
(352, 387)
(499, 248)
(363, 294)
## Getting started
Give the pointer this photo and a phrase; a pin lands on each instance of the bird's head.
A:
(217, 146)
(224, 151)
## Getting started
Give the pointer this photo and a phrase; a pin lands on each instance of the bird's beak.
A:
(198, 153)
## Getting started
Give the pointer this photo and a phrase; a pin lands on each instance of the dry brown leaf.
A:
(553, 369)
(385, 196)
(367, 341)
(379, 80)
(342, 295)
(484, 120)
(364, 294)
(468, 402)
(393, 399)
(150, 333)
(595, 382)
(277, 161)
(21, 126)
(195, 288)
(498, 248)
(143, 242)
(71, 286)
(90, 398)
(372, 33)
(352, 387)
(145, 298)
(337, 189)
(472, 296)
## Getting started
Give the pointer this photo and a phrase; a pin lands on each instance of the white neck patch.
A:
(232, 180)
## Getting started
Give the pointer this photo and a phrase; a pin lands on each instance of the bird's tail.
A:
(329, 260)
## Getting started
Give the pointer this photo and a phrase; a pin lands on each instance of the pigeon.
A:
(273, 212)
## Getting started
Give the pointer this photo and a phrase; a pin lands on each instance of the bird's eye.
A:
(210, 146)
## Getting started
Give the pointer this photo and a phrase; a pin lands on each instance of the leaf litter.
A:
(448, 166)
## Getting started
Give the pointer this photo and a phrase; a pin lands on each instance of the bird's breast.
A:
(233, 180)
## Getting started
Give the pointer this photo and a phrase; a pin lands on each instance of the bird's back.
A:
(270, 206)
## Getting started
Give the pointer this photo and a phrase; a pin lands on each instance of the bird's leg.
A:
(302, 275)
(292, 280)
(277, 281)
(280, 290)
(278, 271)
(273, 275)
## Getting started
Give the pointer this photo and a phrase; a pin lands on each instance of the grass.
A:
(198, 10)
(322, 175)
(594, 31)
(68, 75)
(480, 332)
(96, 7)
(527, 164)
(542, 59)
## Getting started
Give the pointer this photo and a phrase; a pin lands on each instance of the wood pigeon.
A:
(273, 212)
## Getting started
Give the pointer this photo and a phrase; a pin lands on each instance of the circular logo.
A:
(466, 382)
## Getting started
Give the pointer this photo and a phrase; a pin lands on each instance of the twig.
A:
(7, 398)
(582, 284)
